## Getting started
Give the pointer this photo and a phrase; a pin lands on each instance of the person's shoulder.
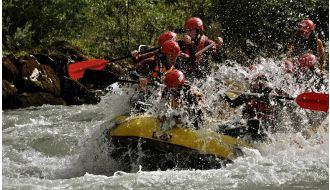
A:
(181, 42)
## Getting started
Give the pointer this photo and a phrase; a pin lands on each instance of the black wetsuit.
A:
(189, 100)
(302, 45)
(256, 109)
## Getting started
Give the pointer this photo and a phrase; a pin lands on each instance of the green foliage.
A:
(116, 27)
(265, 21)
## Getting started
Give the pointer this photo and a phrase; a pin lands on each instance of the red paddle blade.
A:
(76, 70)
(314, 101)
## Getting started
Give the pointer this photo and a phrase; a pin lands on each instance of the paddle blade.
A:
(76, 70)
(313, 101)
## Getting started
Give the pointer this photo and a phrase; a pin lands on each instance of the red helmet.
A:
(168, 35)
(306, 25)
(307, 60)
(171, 47)
(194, 23)
(174, 79)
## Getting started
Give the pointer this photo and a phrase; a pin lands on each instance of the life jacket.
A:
(302, 45)
(160, 69)
(191, 51)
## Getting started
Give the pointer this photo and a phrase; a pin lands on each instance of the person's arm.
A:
(145, 64)
(241, 99)
(289, 50)
(217, 50)
(321, 54)
(137, 57)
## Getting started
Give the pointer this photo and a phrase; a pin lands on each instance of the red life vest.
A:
(160, 70)
(200, 46)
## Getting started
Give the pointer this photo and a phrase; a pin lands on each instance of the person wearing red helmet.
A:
(307, 61)
(306, 40)
(182, 99)
(195, 40)
(165, 36)
(307, 73)
(142, 62)
(161, 63)
(152, 70)
(259, 109)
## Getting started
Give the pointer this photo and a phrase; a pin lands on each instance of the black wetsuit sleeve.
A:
(241, 99)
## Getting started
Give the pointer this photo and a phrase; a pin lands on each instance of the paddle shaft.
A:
(307, 100)
(128, 81)
(128, 56)
(260, 95)
(204, 49)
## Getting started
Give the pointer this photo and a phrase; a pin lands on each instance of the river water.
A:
(64, 147)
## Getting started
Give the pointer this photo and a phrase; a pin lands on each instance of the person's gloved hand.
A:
(135, 54)
(288, 66)
(143, 83)
(218, 42)
(186, 39)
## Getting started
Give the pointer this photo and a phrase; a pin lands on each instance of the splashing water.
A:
(64, 147)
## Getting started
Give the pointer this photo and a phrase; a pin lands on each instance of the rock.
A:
(39, 99)
(49, 80)
(60, 64)
(97, 79)
(9, 96)
(74, 93)
(116, 68)
(36, 77)
(9, 70)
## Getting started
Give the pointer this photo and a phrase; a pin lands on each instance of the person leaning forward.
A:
(157, 66)
(182, 102)
(259, 111)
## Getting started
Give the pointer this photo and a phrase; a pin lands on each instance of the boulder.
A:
(9, 70)
(9, 96)
(75, 93)
(96, 79)
(58, 61)
(36, 77)
(39, 99)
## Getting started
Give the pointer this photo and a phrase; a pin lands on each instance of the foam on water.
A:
(58, 147)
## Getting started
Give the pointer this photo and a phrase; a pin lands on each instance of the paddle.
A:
(76, 70)
(307, 100)
(102, 77)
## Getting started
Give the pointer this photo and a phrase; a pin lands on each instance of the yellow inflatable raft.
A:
(140, 139)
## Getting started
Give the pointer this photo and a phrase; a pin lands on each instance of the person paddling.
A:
(306, 72)
(141, 61)
(154, 70)
(259, 111)
(160, 64)
(180, 102)
(306, 40)
(194, 40)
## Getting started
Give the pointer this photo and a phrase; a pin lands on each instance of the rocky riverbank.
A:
(42, 77)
